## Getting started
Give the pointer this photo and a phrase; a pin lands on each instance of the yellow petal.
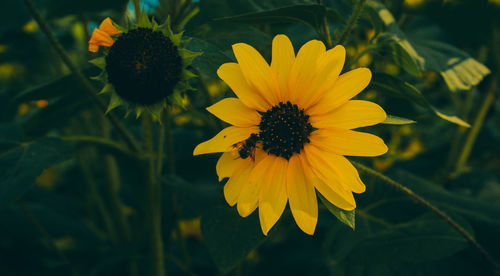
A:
(332, 191)
(304, 68)
(232, 75)
(347, 86)
(257, 72)
(227, 163)
(302, 197)
(273, 196)
(283, 58)
(108, 27)
(330, 166)
(225, 140)
(93, 48)
(233, 111)
(348, 142)
(233, 187)
(101, 38)
(249, 196)
(329, 66)
(352, 114)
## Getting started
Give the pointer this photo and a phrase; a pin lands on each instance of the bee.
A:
(247, 148)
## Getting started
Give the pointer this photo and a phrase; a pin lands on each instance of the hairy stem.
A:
(352, 21)
(153, 198)
(88, 88)
(432, 208)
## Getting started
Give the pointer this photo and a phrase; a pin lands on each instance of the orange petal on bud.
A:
(93, 48)
(99, 38)
(108, 27)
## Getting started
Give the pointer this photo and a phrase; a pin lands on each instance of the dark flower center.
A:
(143, 66)
(284, 129)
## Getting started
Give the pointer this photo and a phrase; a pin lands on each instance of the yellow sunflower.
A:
(291, 127)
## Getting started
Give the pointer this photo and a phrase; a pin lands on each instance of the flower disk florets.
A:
(284, 129)
(144, 66)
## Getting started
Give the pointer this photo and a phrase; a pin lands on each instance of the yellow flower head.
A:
(291, 127)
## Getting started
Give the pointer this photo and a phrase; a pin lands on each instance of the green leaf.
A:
(458, 69)
(346, 217)
(400, 88)
(426, 238)
(229, 237)
(63, 86)
(212, 57)
(395, 120)
(61, 8)
(22, 164)
(310, 15)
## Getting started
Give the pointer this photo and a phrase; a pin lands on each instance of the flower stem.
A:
(352, 21)
(434, 209)
(88, 88)
(476, 126)
(137, 8)
(153, 198)
(47, 237)
(326, 30)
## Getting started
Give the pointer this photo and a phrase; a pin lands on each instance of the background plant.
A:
(73, 194)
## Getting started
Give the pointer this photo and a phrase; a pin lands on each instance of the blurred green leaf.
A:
(395, 120)
(229, 237)
(212, 57)
(397, 87)
(21, 165)
(310, 15)
(346, 217)
(459, 70)
(426, 238)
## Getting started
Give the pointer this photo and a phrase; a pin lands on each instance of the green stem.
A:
(432, 208)
(154, 198)
(47, 237)
(476, 126)
(161, 142)
(137, 8)
(326, 30)
(113, 192)
(88, 88)
(95, 196)
(169, 140)
(352, 21)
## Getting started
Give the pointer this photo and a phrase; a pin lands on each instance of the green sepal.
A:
(346, 217)
(99, 62)
(114, 102)
(143, 20)
(177, 99)
(156, 111)
(167, 31)
(102, 77)
(155, 24)
(119, 28)
(188, 56)
(186, 74)
(107, 89)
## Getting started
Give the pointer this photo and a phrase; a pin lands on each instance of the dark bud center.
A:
(143, 66)
(284, 129)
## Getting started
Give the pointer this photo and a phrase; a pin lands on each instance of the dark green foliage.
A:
(65, 167)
